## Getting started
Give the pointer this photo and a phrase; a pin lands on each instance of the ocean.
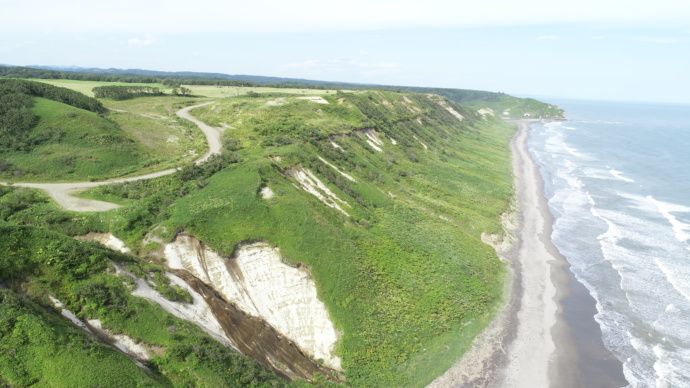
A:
(617, 180)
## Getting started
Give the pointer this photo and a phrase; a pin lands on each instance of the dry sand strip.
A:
(533, 342)
(533, 347)
(62, 193)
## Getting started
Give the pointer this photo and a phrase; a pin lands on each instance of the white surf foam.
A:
(572, 151)
(672, 309)
(620, 176)
(612, 233)
(637, 260)
(634, 341)
(681, 230)
(600, 122)
(676, 276)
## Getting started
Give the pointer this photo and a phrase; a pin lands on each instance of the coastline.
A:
(546, 334)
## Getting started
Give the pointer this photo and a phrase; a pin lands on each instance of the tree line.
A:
(27, 72)
(118, 92)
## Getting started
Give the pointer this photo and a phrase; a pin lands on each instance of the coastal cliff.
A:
(332, 239)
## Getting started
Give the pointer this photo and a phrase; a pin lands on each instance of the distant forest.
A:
(462, 96)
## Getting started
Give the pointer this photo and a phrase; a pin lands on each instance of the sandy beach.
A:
(546, 335)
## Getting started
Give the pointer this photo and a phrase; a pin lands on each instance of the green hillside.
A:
(509, 107)
(75, 145)
(403, 273)
(409, 182)
(50, 134)
(39, 347)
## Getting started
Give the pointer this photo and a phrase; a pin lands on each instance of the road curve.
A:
(61, 193)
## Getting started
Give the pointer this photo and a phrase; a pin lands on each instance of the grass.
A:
(163, 107)
(396, 277)
(44, 347)
(85, 87)
(169, 140)
(81, 146)
(233, 91)
(39, 347)
(84, 146)
(518, 107)
(405, 277)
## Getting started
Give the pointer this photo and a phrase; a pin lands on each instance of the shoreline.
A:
(546, 334)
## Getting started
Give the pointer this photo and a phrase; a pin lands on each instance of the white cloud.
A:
(274, 16)
(547, 37)
(342, 65)
(653, 39)
(17, 46)
(147, 40)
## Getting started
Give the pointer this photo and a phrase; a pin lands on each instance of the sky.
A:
(630, 50)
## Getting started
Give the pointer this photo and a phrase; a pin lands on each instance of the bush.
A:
(125, 92)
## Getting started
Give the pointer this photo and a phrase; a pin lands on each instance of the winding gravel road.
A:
(61, 193)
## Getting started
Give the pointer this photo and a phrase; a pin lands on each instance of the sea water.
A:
(617, 180)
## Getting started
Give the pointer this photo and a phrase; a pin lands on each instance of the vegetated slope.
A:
(50, 133)
(509, 107)
(73, 145)
(399, 261)
(39, 347)
(381, 195)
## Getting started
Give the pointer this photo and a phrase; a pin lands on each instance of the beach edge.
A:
(545, 334)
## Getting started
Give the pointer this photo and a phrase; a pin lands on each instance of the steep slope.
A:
(260, 284)
(44, 273)
(398, 262)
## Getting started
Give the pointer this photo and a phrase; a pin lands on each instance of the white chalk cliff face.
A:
(260, 284)
(311, 184)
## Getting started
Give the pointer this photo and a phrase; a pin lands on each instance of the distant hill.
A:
(498, 101)
(256, 79)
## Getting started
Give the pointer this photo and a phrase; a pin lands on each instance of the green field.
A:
(209, 91)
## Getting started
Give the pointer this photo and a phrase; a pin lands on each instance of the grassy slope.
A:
(407, 284)
(518, 107)
(84, 146)
(81, 145)
(45, 347)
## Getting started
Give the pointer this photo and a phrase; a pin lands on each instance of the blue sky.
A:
(604, 49)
